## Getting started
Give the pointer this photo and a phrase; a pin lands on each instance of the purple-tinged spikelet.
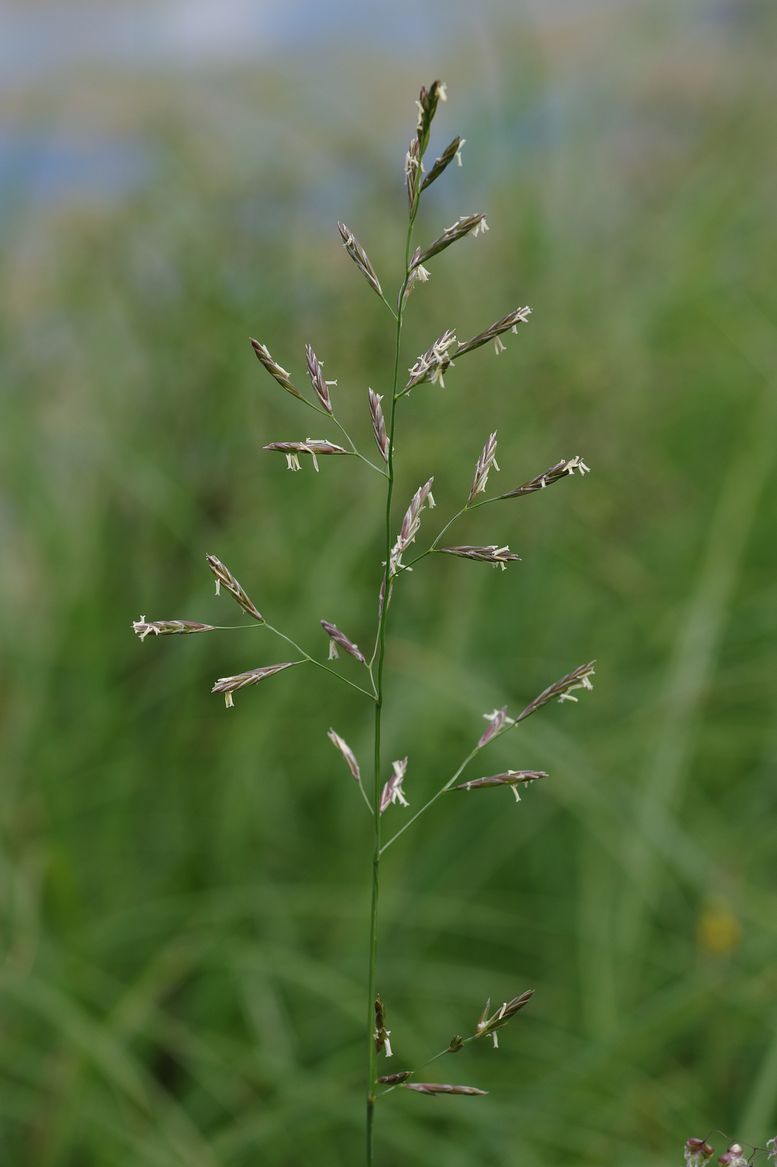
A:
(143, 627)
(432, 364)
(697, 1152)
(734, 1156)
(336, 637)
(392, 791)
(466, 224)
(498, 721)
(498, 556)
(489, 1023)
(316, 374)
(395, 1079)
(428, 100)
(359, 257)
(379, 424)
(579, 678)
(316, 447)
(274, 369)
(413, 167)
(513, 779)
(563, 469)
(225, 578)
(494, 331)
(230, 685)
(451, 152)
(485, 464)
(381, 1034)
(410, 525)
(442, 1088)
(347, 752)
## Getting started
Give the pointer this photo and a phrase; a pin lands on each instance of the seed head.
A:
(563, 469)
(359, 257)
(316, 447)
(336, 637)
(442, 1088)
(428, 100)
(348, 754)
(225, 578)
(510, 778)
(498, 556)
(230, 685)
(392, 791)
(486, 462)
(274, 369)
(316, 374)
(379, 424)
(451, 152)
(395, 1079)
(143, 627)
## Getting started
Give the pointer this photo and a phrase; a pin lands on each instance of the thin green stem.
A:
(379, 655)
(319, 664)
(443, 790)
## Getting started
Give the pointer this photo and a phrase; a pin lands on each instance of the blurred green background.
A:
(184, 890)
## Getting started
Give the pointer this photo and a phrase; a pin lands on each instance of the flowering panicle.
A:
(379, 424)
(392, 791)
(463, 226)
(274, 369)
(336, 637)
(360, 257)
(442, 1088)
(230, 685)
(489, 1023)
(579, 678)
(410, 525)
(451, 152)
(316, 447)
(511, 778)
(225, 578)
(498, 556)
(485, 464)
(563, 469)
(316, 374)
(493, 332)
(431, 365)
(348, 754)
(143, 627)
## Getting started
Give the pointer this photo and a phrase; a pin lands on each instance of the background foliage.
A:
(184, 890)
